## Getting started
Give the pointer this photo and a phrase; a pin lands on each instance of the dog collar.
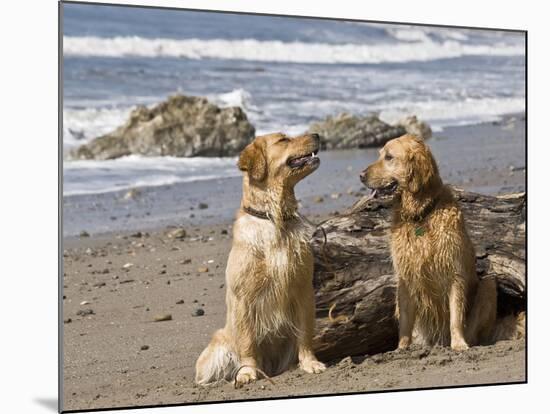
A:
(264, 215)
(425, 213)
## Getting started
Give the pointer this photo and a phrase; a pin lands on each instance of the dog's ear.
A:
(252, 160)
(422, 167)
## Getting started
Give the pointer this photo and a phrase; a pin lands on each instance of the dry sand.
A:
(106, 365)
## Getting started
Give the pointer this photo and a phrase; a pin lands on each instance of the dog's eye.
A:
(388, 157)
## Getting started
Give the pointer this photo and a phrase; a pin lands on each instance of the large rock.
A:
(415, 127)
(350, 131)
(182, 126)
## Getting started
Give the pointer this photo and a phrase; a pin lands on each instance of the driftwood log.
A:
(354, 282)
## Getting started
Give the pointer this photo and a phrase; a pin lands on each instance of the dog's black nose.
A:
(363, 176)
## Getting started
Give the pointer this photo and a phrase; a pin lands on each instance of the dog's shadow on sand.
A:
(49, 403)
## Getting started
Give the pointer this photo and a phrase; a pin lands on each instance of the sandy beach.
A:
(133, 269)
(119, 356)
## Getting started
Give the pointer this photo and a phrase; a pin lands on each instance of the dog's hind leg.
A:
(511, 326)
(480, 326)
(491, 329)
(217, 362)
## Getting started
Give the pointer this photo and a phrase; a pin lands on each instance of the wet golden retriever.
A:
(270, 299)
(440, 299)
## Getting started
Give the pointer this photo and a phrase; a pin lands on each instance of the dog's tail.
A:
(217, 362)
(510, 327)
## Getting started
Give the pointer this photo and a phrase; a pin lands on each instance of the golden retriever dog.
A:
(440, 299)
(270, 299)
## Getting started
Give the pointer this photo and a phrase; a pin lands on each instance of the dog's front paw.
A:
(312, 366)
(245, 376)
(459, 345)
(404, 343)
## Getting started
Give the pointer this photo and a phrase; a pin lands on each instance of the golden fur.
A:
(270, 300)
(440, 299)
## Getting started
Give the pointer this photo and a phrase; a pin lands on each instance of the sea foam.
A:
(440, 113)
(277, 51)
(93, 177)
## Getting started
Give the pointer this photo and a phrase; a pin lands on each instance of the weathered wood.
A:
(354, 277)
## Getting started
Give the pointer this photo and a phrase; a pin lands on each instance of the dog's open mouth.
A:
(387, 190)
(303, 160)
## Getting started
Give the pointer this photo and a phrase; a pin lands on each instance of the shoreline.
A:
(480, 158)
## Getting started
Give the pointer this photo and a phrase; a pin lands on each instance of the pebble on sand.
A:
(203, 206)
(163, 317)
(68, 320)
(85, 312)
(133, 193)
(127, 266)
(180, 302)
(197, 312)
(202, 269)
(178, 233)
(144, 347)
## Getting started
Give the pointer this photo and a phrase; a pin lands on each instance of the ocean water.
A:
(285, 72)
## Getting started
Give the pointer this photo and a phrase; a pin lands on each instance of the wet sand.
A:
(117, 282)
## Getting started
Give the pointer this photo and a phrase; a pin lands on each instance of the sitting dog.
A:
(440, 299)
(270, 298)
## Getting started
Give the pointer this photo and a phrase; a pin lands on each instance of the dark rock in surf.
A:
(346, 131)
(415, 127)
(182, 126)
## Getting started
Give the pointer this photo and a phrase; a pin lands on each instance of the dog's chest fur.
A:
(281, 268)
(422, 256)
